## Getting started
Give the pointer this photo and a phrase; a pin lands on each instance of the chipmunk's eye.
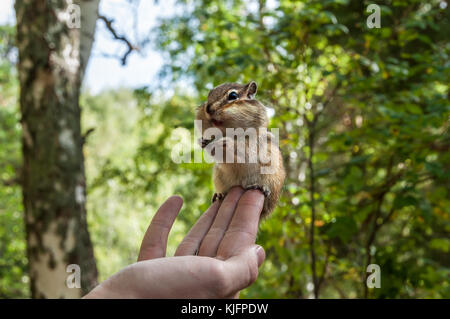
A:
(232, 96)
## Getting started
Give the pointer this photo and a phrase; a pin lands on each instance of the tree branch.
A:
(11, 182)
(130, 46)
(325, 267)
(311, 137)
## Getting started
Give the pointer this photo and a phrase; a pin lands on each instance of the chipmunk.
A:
(232, 106)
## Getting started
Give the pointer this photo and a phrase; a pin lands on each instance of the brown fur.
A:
(244, 112)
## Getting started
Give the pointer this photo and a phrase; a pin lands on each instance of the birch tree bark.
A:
(53, 54)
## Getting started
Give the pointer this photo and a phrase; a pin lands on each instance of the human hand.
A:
(223, 238)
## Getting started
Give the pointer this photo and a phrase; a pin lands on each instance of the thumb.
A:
(155, 238)
(242, 268)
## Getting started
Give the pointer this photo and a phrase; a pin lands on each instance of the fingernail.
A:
(261, 254)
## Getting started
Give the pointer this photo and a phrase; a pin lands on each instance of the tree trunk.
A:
(54, 193)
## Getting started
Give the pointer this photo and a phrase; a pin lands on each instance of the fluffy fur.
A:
(242, 112)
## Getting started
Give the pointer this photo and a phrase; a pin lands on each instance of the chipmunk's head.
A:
(232, 105)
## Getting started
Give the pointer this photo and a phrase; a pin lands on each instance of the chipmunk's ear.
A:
(251, 89)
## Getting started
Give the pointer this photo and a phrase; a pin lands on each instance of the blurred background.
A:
(363, 115)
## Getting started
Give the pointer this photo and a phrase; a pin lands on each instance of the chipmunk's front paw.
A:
(204, 142)
(218, 196)
(263, 189)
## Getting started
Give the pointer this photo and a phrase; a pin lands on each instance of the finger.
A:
(244, 225)
(212, 239)
(193, 239)
(242, 269)
(155, 239)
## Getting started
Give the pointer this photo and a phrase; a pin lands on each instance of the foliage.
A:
(13, 261)
(364, 120)
(363, 117)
